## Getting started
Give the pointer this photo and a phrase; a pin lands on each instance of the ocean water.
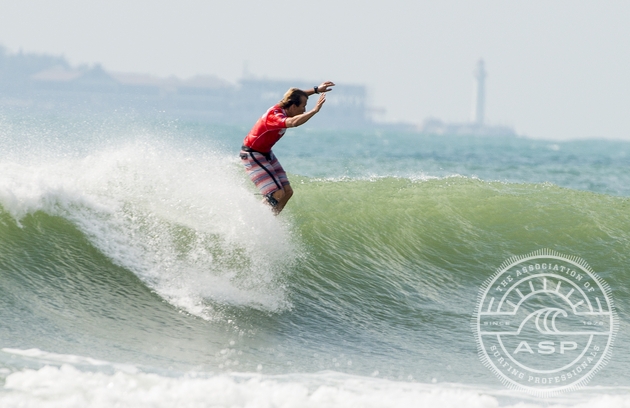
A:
(139, 268)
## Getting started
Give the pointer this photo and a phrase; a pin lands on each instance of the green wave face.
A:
(384, 270)
(399, 263)
(60, 293)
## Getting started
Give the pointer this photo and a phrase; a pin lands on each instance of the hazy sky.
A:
(556, 69)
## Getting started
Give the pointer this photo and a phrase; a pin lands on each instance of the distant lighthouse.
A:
(479, 97)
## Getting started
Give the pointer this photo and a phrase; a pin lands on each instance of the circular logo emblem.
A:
(545, 322)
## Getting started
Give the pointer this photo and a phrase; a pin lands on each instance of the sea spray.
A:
(186, 224)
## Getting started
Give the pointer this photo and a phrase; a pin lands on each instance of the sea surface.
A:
(138, 267)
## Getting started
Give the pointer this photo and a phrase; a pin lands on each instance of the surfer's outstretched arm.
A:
(324, 87)
(298, 118)
(302, 118)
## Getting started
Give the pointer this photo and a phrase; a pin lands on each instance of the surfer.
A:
(260, 163)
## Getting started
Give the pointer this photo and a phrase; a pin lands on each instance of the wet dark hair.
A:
(292, 97)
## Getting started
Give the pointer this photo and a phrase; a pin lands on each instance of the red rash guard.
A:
(268, 130)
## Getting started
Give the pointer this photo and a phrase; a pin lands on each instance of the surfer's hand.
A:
(320, 102)
(325, 86)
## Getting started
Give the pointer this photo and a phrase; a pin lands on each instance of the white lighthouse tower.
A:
(477, 124)
(479, 96)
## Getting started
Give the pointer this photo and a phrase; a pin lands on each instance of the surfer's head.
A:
(294, 102)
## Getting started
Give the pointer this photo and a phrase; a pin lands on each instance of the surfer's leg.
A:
(268, 175)
(261, 171)
(282, 197)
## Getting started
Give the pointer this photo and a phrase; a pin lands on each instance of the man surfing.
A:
(261, 165)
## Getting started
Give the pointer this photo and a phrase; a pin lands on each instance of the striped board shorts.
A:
(264, 170)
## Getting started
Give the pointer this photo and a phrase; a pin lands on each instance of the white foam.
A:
(55, 358)
(185, 221)
(68, 387)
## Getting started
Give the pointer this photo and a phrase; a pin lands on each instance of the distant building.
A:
(477, 125)
(49, 84)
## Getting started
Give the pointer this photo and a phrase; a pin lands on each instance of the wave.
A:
(116, 244)
(183, 224)
(454, 230)
(99, 384)
(189, 226)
